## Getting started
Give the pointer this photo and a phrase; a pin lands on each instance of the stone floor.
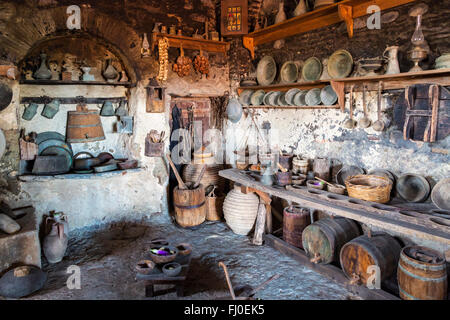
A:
(106, 257)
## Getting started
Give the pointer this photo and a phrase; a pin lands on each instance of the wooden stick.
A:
(282, 168)
(181, 184)
(262, 285)
(197, 183)
(260, 224)
(321, 180)
(230, 286)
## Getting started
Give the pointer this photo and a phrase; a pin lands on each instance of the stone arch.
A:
(26, 28)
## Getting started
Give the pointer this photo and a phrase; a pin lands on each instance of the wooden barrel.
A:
(324, 239)
(295, 220)
(190, 208)
(422, 274)
(84, 125)
(380, 249)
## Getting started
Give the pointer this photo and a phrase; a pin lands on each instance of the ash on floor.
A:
(107, 256)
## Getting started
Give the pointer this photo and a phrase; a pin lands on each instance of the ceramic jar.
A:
(240, 210)
(55, 243)
(110, 72)
(43, 73)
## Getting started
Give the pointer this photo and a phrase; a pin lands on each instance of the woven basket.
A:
(369, 188)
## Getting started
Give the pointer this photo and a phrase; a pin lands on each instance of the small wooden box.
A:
(66, 76)
(28, 150)
(154, 149)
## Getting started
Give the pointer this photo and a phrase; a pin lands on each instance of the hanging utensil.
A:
(350, 123)
(365, 121)
(379, 124)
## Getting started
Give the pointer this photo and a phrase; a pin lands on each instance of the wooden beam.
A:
(191, 43)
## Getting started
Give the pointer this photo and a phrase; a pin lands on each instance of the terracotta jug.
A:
(240, 210)
(393, 66)
(281, 15)
(57, 217)
(301, 8)
(55, 243)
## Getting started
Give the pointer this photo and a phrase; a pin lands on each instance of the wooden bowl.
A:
(184, 249)
(315, 184)
(145, 266)
(157, 258)
(172, 269)
(336, 188)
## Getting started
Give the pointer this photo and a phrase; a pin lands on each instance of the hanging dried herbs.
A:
(218, 110)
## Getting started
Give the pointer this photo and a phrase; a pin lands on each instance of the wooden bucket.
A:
(380, 249)
(190, 208)
(214, 208)
(295, 220)
(422, 274)
(84, 125)
(324, 239)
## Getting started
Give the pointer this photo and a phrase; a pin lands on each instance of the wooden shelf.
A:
(191, 43)
(346, 10)
(293, 107)
(342, 85)
(79, 82)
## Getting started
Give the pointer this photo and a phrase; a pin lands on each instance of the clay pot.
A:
(55, 243)
(159, 258)
(145, 267)
(240, 210)
(110, 72)
(172, 269)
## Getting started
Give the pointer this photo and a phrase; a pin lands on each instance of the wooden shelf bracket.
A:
(346, 14)
(249, 45)
(339, 88)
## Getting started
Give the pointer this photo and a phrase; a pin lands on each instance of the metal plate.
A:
(266, 71)
(441, 194)
(43, 136)
(340, 64)
(2, 143)
(58, 151)
(312, 69)
(6, 96)
(54, 142)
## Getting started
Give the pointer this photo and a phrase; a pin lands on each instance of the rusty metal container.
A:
(295, 220)
(324, 239)
(379, 249)
(284, 178)
(84, 125)
(422, 274)
(285, 161)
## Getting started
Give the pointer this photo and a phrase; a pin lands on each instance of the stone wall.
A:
(134, 195)
(320, 132)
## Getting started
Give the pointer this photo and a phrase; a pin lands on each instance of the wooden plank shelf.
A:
(80, 82)
(293, 107)
(346, 10)
(71, 100)
(191, 43)
(328, 270)
(342, 85)
(385, 217)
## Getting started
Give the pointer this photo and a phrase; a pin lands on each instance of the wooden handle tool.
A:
(181, 184)
(230, 286)
(200, 176)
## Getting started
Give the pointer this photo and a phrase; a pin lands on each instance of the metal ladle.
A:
(350, 123)
(365, 121)
(379, 124)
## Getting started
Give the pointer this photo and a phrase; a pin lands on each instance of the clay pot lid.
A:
(413, 187)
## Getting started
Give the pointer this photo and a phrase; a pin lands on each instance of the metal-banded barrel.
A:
(422, 274)
(295, 220)
(362, 256)
(190, 208)
(84, 125)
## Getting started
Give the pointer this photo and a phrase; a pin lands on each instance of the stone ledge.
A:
(34, 178)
